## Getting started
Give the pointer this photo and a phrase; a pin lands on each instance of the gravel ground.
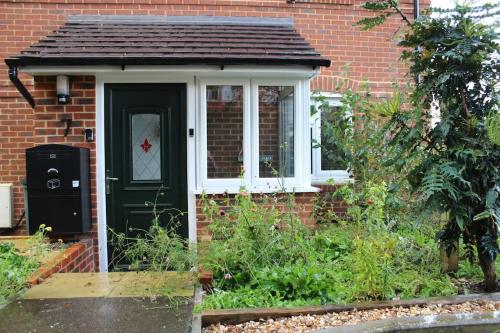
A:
(314, 322)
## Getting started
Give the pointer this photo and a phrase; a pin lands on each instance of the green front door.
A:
(145, 151)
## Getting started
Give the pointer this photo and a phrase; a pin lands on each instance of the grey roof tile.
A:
(146, 40)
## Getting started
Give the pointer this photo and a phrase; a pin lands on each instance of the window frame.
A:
(274, 183)
(222, 183)
(318, 175)
(301, 182)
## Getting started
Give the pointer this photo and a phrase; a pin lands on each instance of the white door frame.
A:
(101, 80)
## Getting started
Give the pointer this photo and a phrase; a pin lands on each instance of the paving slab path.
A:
(103, 302)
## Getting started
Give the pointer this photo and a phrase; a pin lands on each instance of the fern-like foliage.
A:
(456, 163)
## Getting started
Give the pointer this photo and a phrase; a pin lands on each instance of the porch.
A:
(237, 118)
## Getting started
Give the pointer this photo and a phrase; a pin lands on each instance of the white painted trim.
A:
(191, 157)
(302, 180)
(333, 96)
(102, 235)
(101, 79)
(307, 131)
(287, 189)
(338, 180)
(246, 71)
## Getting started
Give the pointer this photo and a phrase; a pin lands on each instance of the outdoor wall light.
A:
(62, 89)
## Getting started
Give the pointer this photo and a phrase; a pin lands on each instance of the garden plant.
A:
(17, 267)
(455, 164)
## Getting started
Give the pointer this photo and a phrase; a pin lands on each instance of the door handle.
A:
(108, 182)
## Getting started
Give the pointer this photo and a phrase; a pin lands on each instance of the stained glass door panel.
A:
(146, 146)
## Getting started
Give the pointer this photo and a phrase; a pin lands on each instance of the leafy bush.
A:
(261, 255)
(372, 274)
(17, 267)
(358, 135)
(366, 204)
(251, 233)
(454, 55)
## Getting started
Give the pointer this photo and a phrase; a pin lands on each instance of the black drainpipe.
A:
(416, 9)
(20, 86)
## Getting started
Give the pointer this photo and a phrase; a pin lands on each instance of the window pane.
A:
(146, 146)
(276, 131)
(331, 156)
(224, 131)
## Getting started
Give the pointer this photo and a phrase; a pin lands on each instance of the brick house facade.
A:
(356, 56)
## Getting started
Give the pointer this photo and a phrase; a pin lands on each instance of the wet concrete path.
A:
(98, 302)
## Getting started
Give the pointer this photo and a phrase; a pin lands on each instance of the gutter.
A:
(144, 61)
(13, 72)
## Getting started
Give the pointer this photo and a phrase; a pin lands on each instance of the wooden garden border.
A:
(238, 316)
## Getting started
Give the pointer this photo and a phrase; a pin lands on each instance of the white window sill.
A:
(332, 180)
(305, 189)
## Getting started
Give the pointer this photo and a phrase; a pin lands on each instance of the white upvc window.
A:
(253, 133)
(323, 169)
(225, 133)
(277, 127)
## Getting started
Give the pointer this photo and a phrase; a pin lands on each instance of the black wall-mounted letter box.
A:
(58, 182)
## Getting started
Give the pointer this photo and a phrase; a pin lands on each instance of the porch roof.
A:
(171, 40)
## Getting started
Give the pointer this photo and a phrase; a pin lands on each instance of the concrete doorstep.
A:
(104, 302)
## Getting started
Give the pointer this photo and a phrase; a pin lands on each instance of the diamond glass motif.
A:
(146, 146)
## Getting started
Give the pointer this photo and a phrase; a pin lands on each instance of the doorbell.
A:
(89, 135)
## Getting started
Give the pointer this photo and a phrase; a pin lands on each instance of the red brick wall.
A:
(48, 127)
(305, 204)
(303, 207)
(77, 258)
(81, 259)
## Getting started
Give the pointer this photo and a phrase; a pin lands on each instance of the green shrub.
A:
(301, 280)
(259, 263)
(252, 232)
(17, 267)
(373, 274)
